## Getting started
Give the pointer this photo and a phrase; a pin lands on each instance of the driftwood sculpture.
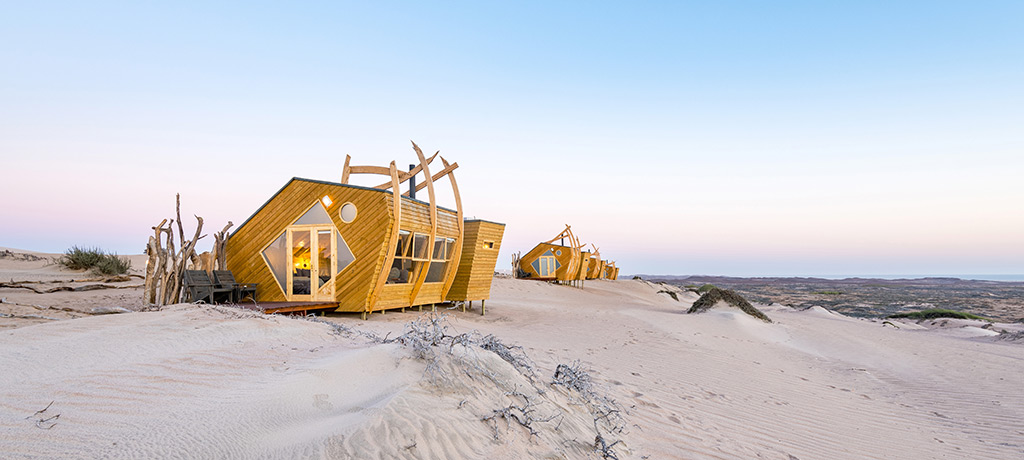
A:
(166, 266)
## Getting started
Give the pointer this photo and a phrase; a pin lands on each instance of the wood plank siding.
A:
(361, 285)
(479, 256)
(366, 237)
(565, 255)
(581, 274)
(594, 272)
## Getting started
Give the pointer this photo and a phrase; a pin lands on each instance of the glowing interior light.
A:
(326, 200)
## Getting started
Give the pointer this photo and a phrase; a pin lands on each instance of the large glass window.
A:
(316, 215)
(413, 255)
(421, 246)
(439, 262)
(302, 261)
(436, 272)
(345, 256)
(323, 245)
(450, 245)
(402, 269)
(404, 242)
(276, 256)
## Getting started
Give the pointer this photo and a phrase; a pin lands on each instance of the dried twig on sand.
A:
(41, 422)
(523, 414)
(607, 413)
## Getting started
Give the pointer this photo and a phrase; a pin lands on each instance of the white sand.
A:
(192, 382)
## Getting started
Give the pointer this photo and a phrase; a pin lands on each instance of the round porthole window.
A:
(348, 212)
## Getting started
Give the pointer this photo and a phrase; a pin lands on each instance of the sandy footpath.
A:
(215, 382)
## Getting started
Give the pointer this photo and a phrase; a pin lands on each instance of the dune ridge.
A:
(200, 382)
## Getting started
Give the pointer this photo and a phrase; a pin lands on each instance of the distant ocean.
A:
(963, 277)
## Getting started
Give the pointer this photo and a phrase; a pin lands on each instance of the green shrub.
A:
(96, 260)
(933, 313)
(705, 288)
(78, 258)
(112, 264)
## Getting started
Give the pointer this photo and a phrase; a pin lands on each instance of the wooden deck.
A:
(289, 307)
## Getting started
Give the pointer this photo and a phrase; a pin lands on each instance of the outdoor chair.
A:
(200, 288)
(239, 291)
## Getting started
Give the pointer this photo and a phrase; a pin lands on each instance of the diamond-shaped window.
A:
(546, 264)
(316, 215)
(345, 256)
(276, 254)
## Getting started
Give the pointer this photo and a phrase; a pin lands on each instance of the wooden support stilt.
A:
(403, 309)
(433, 307)
(482, 307)
(421, 307)
(364, 316)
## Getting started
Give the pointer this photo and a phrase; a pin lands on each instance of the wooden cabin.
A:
(584, 269)
(363, 249)
(482, 240)
(610, 272)
(594, 269)
(553, 260)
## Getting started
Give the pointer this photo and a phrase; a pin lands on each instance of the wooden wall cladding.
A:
(366, 237)
(476, 269)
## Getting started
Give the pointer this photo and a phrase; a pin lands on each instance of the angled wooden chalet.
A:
(584, 269)
(611, 272)
(364, 249)
(553, 260)
(594, 270)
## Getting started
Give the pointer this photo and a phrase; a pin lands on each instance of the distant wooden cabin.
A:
(553, 260)
(611, 272)
(364, 249)
(584, 269)
(594, 267)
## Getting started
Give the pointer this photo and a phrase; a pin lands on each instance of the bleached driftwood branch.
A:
(166, 267)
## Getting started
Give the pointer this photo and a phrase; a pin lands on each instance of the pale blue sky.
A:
(738, 138)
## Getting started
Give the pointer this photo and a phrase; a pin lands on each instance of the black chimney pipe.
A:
(412, 183)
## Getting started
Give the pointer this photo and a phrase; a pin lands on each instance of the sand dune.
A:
(215, 382)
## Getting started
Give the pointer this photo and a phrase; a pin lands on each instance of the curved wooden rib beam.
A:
(433, 222)
(447, 170)
(389, 256)
(453, 263)
(565, 233)
(345, 169)
(574, 255)
(404, 176)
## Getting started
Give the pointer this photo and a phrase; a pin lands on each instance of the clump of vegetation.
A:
(715, 295)
(95, 259)
(933, 313)
(671, 294)
(700, 290)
